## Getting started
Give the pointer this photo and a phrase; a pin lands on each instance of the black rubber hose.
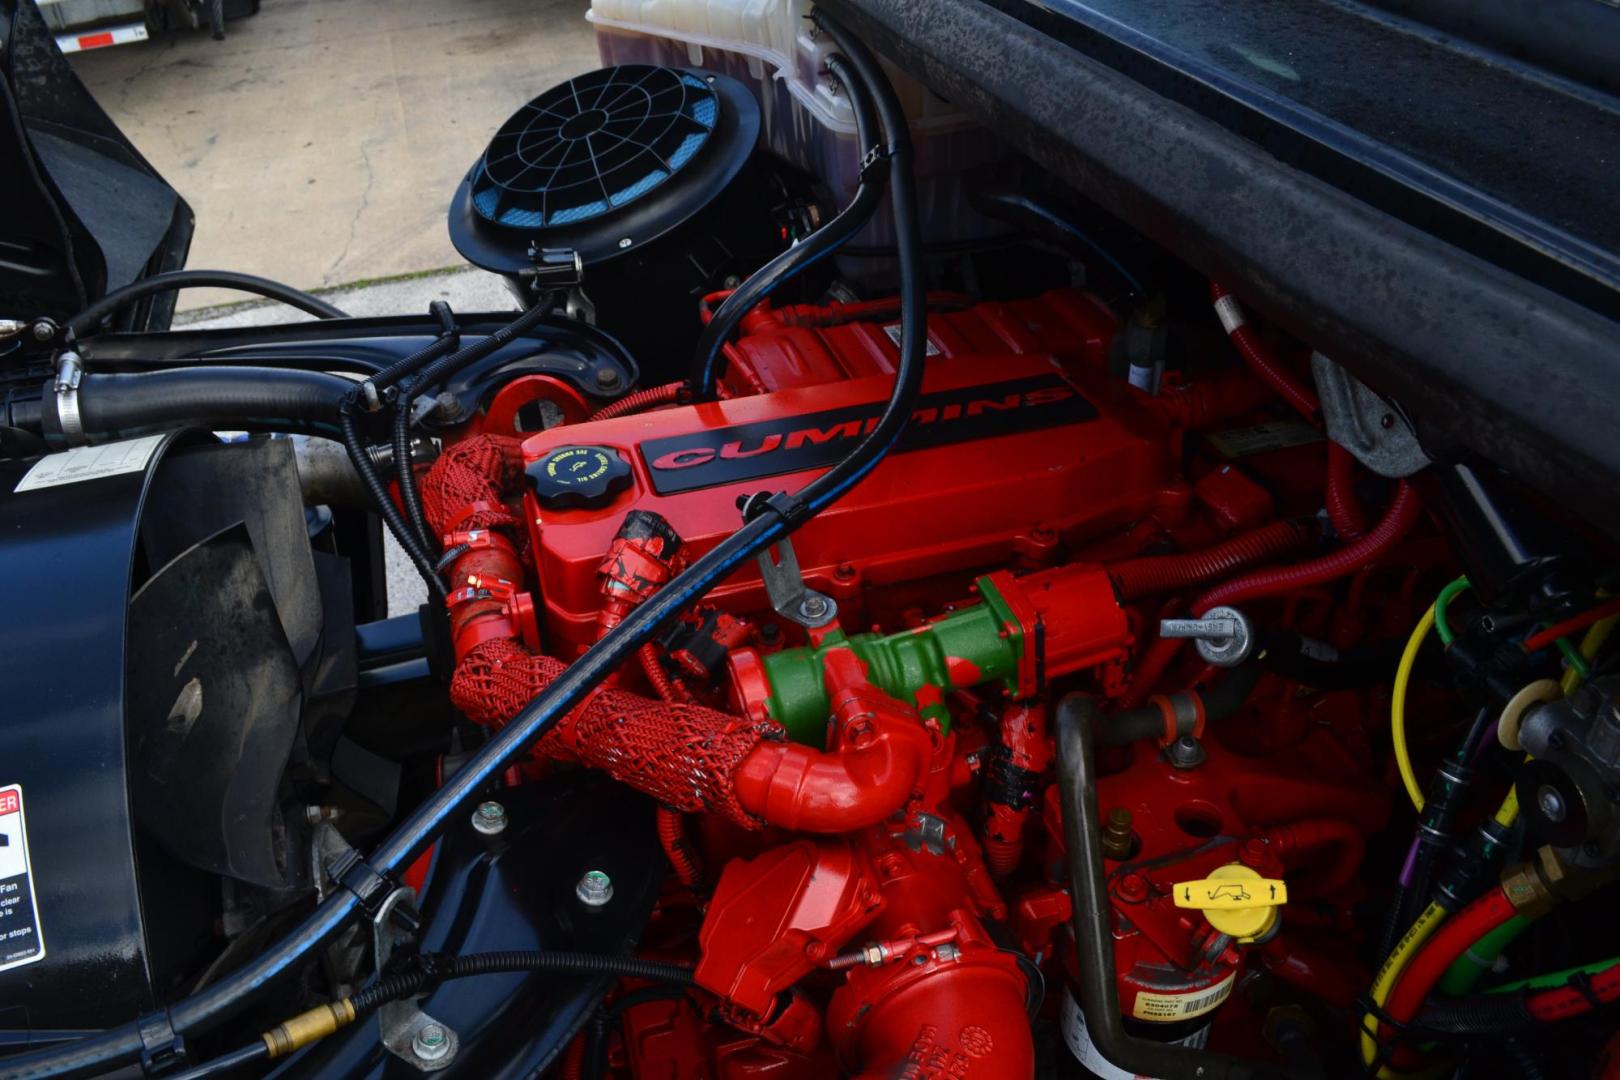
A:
(446, 804)
(1147, 722)
(220, 398)
(444, 968)
(708, 364)
(91, 317)
(1077, 721)
(1473, 1017)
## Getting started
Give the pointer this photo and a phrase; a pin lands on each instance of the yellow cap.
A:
(1236, 900)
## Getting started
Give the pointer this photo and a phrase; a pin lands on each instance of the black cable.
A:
(91, 317)
(410, 495)
(782, 515)
(708, 363)
(384, 505)
(226, 1063)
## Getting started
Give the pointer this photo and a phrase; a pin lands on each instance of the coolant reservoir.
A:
(768, 46)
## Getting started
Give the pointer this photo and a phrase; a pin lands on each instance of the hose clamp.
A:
(69, 373)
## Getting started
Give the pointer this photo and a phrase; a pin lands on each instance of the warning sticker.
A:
(1264, 438)
(21, 941)
(90, 463)
(1150, 1006)
(893, 330)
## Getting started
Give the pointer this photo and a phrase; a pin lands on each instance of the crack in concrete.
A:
(354, 223)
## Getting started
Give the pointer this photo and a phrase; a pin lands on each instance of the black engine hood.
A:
(81, 212)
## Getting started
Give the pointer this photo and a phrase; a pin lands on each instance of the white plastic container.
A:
(767, 45)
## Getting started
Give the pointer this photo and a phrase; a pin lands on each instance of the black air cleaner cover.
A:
(603, 164)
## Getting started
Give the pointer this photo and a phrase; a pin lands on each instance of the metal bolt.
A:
(594, 889)
(813, 607)
(607, 378)
(624, 242)
(1186, 753)
(44, 330)
(1551, 803)
(946, 953)
(431, 1042)
(490, 818)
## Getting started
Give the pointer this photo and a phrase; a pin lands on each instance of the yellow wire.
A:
(1397, 707)
(1390, 974)
(1596, 635)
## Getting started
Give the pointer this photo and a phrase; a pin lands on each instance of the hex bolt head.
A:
(607, 378)
(44, 330)
(1186, 753)
(431, 1042)
(595, 889)
(813, 607)
(490, 818)
(1550, 801)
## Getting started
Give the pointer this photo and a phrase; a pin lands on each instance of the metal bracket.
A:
(1223, 636)
(1364, 423)
(400, 1023)
(790, 597)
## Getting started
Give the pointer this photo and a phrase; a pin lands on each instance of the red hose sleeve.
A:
(1441, 951)
(1155, 575)
(1257, 354)
(682, 755)
(1349, 520)
(1567, 1002)
(1404, 510)
(668, 394)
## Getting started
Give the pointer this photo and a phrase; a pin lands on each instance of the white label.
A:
(1264, 438)
(1141, 377)
(1162, 1007)
(1072, 1022)
(21, 940)
(90, 463)
(893, 330)
(1230, 313)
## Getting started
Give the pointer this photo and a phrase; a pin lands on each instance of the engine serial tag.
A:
(794, 443)
(21, 941)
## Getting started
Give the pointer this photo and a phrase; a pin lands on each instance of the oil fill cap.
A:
(578, 477)
(1236, 900)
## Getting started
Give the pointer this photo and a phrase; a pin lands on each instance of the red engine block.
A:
(907, 947)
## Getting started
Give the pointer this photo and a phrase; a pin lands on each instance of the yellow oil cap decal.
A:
(1236, 900)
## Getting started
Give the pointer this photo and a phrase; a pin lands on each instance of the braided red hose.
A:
(653, 396)
(1397, 521)
(1158, 574)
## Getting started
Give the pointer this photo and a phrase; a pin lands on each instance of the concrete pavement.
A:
(320, 142)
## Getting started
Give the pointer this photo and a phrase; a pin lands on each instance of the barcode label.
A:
(1151, 1006)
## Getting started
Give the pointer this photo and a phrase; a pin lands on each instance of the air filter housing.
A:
(604, 164)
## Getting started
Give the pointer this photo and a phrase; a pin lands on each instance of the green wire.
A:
(1573, 657)
(1443, 601)
(1553, 980)
(1468, 968)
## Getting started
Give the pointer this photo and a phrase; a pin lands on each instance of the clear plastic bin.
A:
(767, 46)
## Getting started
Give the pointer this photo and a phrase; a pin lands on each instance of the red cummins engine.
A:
(852, 745)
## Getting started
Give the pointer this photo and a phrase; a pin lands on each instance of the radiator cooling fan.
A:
(604, 164)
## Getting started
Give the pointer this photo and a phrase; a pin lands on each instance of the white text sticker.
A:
(90, 463)
(21, 941)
